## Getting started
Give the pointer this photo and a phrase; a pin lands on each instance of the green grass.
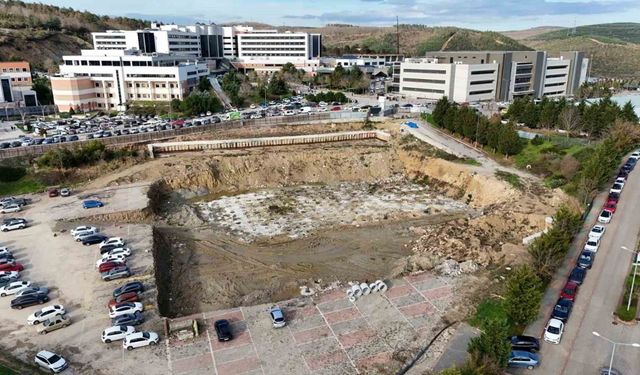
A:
(510, 178)
(24, 185)
(469, 161)
(489, 309)
(6, 371)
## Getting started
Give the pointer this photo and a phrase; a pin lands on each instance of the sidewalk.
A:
(455, 354)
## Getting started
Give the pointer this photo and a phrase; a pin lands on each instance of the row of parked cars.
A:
(562, 310)
(125, 309)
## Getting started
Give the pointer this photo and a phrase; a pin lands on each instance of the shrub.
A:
(537, 141)
(627, 315)
(523, 295)
(11, 174)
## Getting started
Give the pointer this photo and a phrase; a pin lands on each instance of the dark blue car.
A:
(586, 259)
(519, 358)
(92, 204)
(562, 309)
(577, 275)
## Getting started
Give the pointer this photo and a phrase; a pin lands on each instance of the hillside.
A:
(415, 40)
(530, 33)
(42, 33)
(607, 33)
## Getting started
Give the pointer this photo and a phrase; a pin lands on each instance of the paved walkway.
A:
(455, 353)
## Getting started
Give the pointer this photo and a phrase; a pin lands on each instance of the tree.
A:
(42, 87)
(547, 118)
(277, 86)
(204, 84)
(523, 295)
(200, 102)
(509, 141)
(629, 113)
(491, 345)
(440, 111)
(569, 119)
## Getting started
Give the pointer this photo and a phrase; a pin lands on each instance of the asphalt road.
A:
(580, 352)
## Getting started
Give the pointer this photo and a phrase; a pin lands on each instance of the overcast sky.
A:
(476, 14)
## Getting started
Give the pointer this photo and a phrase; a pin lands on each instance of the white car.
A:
(9, 274)
(597, 231)
(51, 361)
(125, 308)
(10, 208)
(605, 217)
(289, 112)
(111, 258)
(117, 241)
(13, 225)
(4, 250)
(119, 251)
(616, 188)
(83, 229)
(621, 181)
(592, 245)
(140, 339)
(322, 104)
(553, 331)
(635, 155)
(45, 313)
(14, 287)
(82, 235)
(116, 333)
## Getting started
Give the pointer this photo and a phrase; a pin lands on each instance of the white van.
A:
(305, 109)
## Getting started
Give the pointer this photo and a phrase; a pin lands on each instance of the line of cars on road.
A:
(562, 310)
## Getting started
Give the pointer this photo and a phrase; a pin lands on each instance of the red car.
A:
(569, 291)
(177, 124)
(53, 192)
(613, 197)
(104, 267)
(126, 297)
(610, 206)
(336, 109)
(12, 267)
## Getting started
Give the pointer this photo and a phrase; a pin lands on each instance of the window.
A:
(97, 84)
(111, 95)
(98, 95)
(423, 90)
(478, 72)
(425, 71)
(484, 82)
(480, 92)
(109, 84)
(436, 81)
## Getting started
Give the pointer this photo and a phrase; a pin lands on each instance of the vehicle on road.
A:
(569, 291)
(616, 188)
(112, 241)
(277, 317)
(29, 300)
(597, 231)
(51, 361)
(592, 245)
(92, 204)
(605, 217)
(13, 225)
(119, 272)
(562, 309)
(53, 324)
(140, 339)
(586, 259)
(133, 286)
(128, 320)
(553, 331)
(126, 297)
(116, 333)
(577, 275)
(83, 229)
(527, 343)
(9, 208)
(223, 330)
(125, 308)
(14, 288)
(93, 239)
(45, 313)
(522, 359)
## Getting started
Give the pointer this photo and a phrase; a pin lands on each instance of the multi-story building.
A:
(109, 79)
(19, 72)
(495, 75)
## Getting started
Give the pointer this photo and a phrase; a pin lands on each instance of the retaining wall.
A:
(156, 148)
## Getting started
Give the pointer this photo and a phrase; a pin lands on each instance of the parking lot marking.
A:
(252, 344)
(306, 365)
(339, 343)
(213, 358)
(423, 296)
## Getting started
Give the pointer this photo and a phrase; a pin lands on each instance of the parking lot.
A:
(53, 259)
(327, 334)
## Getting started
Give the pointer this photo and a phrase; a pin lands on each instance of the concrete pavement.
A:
(580, 352)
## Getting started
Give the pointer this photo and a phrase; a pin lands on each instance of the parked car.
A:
(13, 225)
(107, 266)
(116, 333)
(223, 330)
(9, 274)
(93, 239)
(132, 286)
(527, 343)
(83, 229)
(126, 297)
(605, 217)
(562, 309)
(111, 258)
(12, 267)
(64, 192)
(53, 192)
(592, 245)
(586, 259)
(82, 235)
(553, 331)
(597, 231)
(119, 272)
(6, 280)
(107, 248)
(14, 288)
(92, 204)
(577, 275)
(45, 313)
(610, 206)
(9, 208)
(635, 155)
(569, 291)
(128, 320)
(29, 300)
(140, 339)
(613, 197)
(112, 241)
(523, 359)
(51, 361)
(277, 317)
(52, 324)
(119, 251)
(32, 290)
(616, 188)
(125, 308)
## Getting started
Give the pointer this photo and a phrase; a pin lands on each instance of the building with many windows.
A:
(109, 79)
(468, 76)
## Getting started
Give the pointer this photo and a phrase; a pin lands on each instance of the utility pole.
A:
(397, 36)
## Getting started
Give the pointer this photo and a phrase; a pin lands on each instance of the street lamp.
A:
(635, 271)
(613, 352)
